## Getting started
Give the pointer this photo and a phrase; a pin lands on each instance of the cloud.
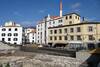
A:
(75, 5)
(42, 11)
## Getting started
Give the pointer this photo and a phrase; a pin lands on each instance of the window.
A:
(71, 37)
(60, 30)
(91, 37)
(41, 33)
(60, 21)
(3, 39)
(78, 29)
(51, 31)
(65, 38)
(70, 22)
(15, 34)
(90, 28)
(38, 29)
(70, 17)
(66, 17)
(16, 29)
(15, 39)
(55, 38)
(65, 30)
(3, 34)
(9, 39)
(9, 29)
(55, 31)
(76, 17)
(79, 37)
(33, 34)
(3, 29)
(50, 37)
(15, 43)
(50, 23)
(9, 34)
(71, 30)
(38, 25)
(60, 38)
(53, 22)
(33, 41)
(33, 37)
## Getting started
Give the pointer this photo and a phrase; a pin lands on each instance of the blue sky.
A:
(28, 12)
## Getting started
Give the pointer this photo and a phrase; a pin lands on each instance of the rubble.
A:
(42, 60)
(4, 48)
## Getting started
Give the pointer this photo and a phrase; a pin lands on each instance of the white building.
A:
(28, 30)
(42, 28)
(32, 37)
(30, 34)
(40, 32)
(49, 21)
(11, 33)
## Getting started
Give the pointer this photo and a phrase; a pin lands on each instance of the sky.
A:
(29, 12)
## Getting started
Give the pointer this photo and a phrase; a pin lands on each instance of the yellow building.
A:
(75, 34)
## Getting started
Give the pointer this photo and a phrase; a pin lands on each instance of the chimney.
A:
(60, 8)
(83, 19)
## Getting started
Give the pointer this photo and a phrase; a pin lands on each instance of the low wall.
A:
(52, 51)
(91, 59)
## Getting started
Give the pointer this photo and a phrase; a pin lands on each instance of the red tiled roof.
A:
(54, 17)
(33, 31)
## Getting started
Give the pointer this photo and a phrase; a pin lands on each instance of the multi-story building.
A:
(29, 29)
(40, 32)
(30, 35)
(42, 28)
(75, 33)
(11, 33)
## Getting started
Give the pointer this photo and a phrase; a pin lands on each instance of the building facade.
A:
(11, 33)
(40, 32)
(30, 35)
(42, 28)
(75, 34)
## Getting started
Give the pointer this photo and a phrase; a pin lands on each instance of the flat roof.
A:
(75, 24)
(57, 17)
(71, 14)
(11, 26)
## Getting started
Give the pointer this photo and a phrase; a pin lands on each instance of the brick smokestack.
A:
(60, 8)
